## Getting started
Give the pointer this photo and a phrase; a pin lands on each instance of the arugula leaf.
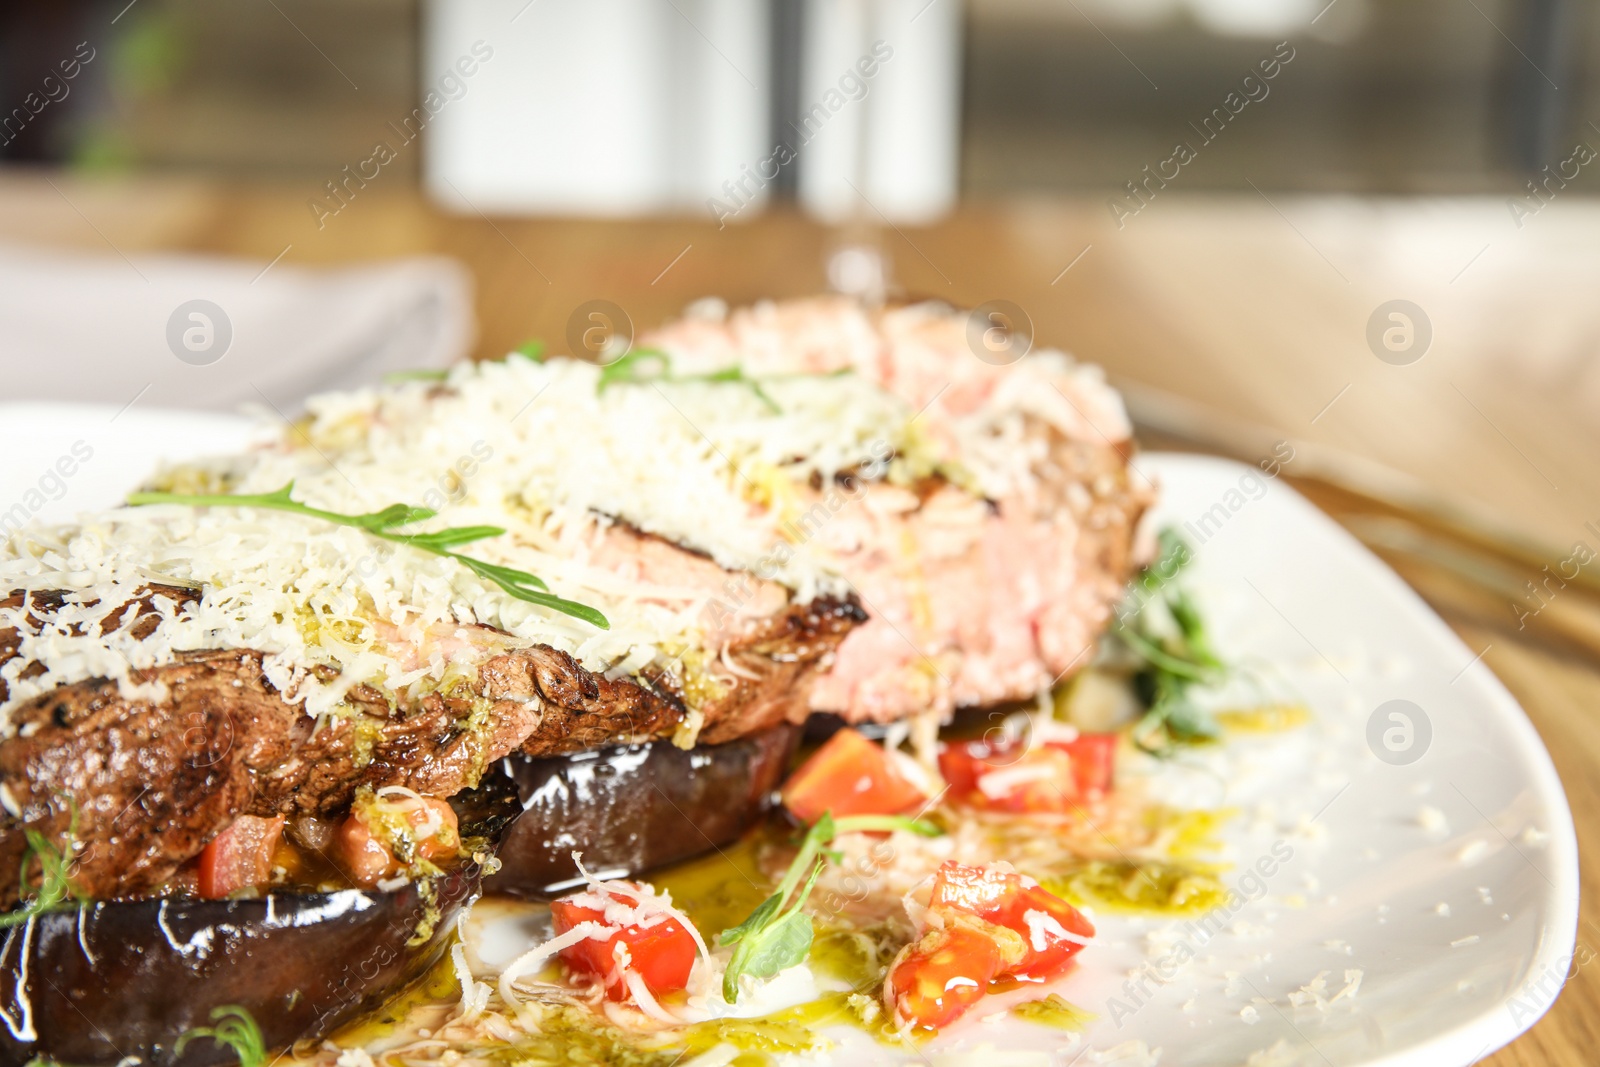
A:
(393, 515)
(1160, 659)
(1187, 615)
(457, 535)
(505, 576)
(1174, 658)
(1173, 554)
(236, 1028)
(382, 524)
(1187, 721)
(759, 940)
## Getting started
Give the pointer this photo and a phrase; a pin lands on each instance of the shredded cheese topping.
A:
(541, 451)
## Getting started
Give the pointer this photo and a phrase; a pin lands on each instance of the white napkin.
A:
(121, 331)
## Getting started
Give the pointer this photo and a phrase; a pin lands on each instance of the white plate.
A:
(1450, 882)
(63, 459)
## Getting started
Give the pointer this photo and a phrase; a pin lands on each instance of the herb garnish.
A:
(645, 365)
(235, 1028)
(382, 524)
(1175, 654)
(533, 349)
(776, 937)
(55, 884)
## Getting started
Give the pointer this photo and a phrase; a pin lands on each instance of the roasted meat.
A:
(797, 507)
(150, 781)
(977, 594)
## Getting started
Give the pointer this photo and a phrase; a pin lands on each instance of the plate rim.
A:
(1494, 1027)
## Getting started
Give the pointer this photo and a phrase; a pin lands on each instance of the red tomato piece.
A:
(1055, 777)
(932, 982)
(662, 954)
(980, 891)
(849, 775)
(367, 860)
(240, 857)
(1093, 762)
(960, 763)
(1048, 924)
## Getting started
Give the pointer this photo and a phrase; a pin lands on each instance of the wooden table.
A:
(1249, 315)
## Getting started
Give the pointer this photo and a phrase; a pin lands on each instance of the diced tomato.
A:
(1093, 762)
(240, 857)
(849, 775)
(1049, 925)
(1053, 777)
(961, 762)
(932, 982)
(980, 891)
(367, 860)
(662, 954)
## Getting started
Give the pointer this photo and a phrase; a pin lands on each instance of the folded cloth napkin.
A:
(214, 334)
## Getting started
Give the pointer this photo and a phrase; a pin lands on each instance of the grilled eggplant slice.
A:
(92, 986)
(629, 808)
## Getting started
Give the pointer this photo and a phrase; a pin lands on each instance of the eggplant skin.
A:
(630, 808)
(92, 986)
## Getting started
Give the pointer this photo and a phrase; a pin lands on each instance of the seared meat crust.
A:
(153, 780)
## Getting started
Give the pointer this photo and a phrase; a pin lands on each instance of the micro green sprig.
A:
(236, 1028)
(55, 881)
(778, 934)
(385, 525)
(642, 366)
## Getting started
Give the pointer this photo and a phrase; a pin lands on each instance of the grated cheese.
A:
(536, 449)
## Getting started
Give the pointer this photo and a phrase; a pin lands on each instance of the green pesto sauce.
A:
(789, 1031)
(718, 891)
(1189, 832)
(573, 1036)
(1266, 719)
(437, 986)
(1055, 1011)
(1149, 887)
(857, 957)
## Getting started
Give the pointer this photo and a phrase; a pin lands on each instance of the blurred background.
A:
(1359, 234)
(1046, 96)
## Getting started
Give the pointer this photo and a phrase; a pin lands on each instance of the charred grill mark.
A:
(40, 606)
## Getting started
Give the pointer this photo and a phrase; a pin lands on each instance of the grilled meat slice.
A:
(776, 662)
(152, 779)
(757, 654)
(977, 604)
(972, 601)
